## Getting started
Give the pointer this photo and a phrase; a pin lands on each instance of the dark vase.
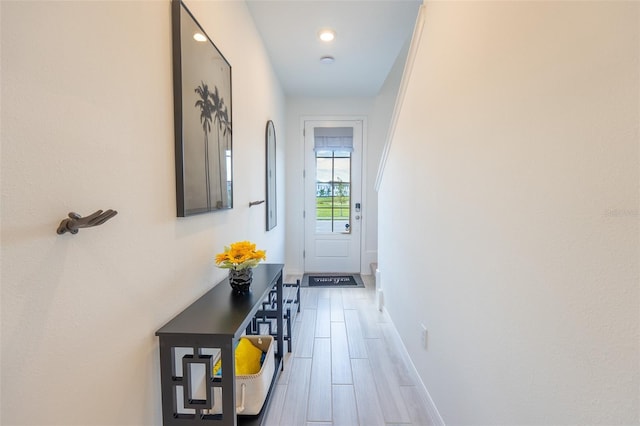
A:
(240, 280)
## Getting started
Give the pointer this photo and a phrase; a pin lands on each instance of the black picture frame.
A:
(271, 183)
(202, 117)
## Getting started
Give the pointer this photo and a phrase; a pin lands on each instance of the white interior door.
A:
(333, 207)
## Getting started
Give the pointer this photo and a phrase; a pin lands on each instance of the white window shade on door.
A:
(333, 139)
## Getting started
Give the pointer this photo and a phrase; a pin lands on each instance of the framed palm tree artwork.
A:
(202, 115)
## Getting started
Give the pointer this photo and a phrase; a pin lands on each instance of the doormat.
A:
(332, 280)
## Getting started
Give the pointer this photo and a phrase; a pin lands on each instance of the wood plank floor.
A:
(347, 366)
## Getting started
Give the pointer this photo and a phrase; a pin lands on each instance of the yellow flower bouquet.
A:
(240, 255)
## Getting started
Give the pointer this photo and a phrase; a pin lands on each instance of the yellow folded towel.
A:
(247, 358)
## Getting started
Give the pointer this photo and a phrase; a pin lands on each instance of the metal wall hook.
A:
(75, 221)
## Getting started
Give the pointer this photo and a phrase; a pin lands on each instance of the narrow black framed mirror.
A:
(202, 117)
(271, 199)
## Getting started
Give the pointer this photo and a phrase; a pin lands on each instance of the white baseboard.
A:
(294, 272)
(291, 272)
(436, 418)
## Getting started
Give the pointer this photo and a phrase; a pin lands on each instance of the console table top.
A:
(220, 312)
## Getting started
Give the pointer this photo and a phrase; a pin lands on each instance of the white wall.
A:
(87, 124)
(298, 109)
(508, 212)
(379, 122)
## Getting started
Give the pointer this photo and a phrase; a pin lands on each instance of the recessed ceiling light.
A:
(327, 59)
(199, 37)
(327, 35)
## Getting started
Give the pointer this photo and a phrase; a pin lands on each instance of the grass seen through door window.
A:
(332, 208)
(333, 190)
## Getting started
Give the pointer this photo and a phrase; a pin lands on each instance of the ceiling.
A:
(369, 36)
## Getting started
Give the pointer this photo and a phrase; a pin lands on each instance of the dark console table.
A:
(214, 321)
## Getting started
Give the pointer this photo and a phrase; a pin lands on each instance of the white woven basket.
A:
(251, 389)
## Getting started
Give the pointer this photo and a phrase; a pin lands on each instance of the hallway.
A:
(347, 367)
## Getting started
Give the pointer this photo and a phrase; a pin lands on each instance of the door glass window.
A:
(333, 195)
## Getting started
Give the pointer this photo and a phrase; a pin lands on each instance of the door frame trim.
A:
(363, 174)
